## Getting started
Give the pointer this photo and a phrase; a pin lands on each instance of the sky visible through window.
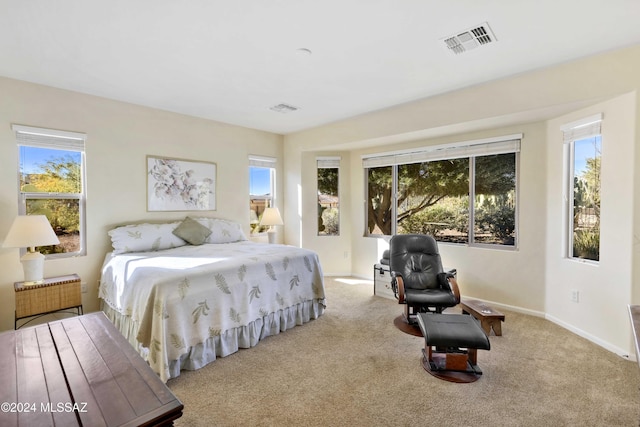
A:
(259, 181)
(32, 158)
(588, 148)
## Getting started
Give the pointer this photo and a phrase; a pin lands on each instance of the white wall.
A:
(485, 273)
(534, 278)
(334, 251)
(119, 136)
(604, 288)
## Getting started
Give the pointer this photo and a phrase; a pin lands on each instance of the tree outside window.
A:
(328, 201)
(380, 200)
(433, 199)
(436, 198)
(495, 199)
(585, 218)
(51, 185)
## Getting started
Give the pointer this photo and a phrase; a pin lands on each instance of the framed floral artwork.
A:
(180, 185)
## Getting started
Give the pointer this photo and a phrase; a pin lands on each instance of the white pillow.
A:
(222, 230)
(145, 237)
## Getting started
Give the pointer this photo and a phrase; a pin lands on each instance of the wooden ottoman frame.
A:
(451, 346)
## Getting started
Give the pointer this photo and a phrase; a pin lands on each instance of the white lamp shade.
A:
(270, 217)
(29, 231)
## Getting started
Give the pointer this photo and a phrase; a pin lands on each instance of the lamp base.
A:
(272, 234)
(33, 266)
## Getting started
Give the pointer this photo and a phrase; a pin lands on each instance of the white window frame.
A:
(30, 136)
(270, 163)
(329, 163)
(571, 132)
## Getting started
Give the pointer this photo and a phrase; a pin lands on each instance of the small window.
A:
(584, 155)
(51, 165)
(328, 197)
(262, 184)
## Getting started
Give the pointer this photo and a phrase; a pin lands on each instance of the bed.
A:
(183, 304)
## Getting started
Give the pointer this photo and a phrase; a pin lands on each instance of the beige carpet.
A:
(352, 367)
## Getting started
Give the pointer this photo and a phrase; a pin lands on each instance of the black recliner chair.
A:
(417, 277)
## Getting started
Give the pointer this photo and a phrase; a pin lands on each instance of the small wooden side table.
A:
(52, 295)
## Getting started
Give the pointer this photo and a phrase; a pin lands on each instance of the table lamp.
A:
(271, 217)
(29, 231)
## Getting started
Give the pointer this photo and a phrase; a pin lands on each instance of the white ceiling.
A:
(231, 61)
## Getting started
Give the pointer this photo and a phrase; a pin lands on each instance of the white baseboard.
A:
(604, 344)
(346, 275)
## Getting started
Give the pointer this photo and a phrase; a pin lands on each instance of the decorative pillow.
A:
(145, 237)
(192, 231)
(222, 230)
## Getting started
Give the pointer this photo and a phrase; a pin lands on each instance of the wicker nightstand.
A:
(53, 294)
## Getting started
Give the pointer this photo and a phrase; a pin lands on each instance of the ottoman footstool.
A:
(451, 344)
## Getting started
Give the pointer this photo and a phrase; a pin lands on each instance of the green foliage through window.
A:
(435, 197)
(585, 218)
(328, 201)
(51, 185)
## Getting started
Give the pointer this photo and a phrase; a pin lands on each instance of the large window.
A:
(262, 184)
(464, 193)
(51, 165)
(328, 197)
(583, 144)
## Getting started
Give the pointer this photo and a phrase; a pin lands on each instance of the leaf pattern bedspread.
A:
(180, 297)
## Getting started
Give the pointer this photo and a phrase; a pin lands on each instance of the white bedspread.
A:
(179, 299)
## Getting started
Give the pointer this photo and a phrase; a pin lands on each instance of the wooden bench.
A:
(488, 317)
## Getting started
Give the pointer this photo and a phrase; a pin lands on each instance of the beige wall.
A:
(535, 278)
(334, 251)
(119, 136)
(604, 288)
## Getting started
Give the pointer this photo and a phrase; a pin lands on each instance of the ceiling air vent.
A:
(470, 39)
(284, 108)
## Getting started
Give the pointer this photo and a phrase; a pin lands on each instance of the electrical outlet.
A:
(83, 288)
(575, 295)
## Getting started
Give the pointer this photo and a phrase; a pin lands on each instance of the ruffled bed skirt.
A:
(227, 342)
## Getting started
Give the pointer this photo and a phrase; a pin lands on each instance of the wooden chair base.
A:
(401, 323)
(436, 365)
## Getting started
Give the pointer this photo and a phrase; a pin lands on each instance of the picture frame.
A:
(180, 185)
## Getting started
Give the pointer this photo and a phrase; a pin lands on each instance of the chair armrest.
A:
(453, 284)
(397, 284)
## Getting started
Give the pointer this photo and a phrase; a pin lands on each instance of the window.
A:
(494, 199)
(458, 193)
(432, 198)
(51, 165)
(328, 198)
(380, 200)
(583, 153)
(262, 184)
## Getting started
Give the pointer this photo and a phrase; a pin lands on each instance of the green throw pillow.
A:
(192, 231)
